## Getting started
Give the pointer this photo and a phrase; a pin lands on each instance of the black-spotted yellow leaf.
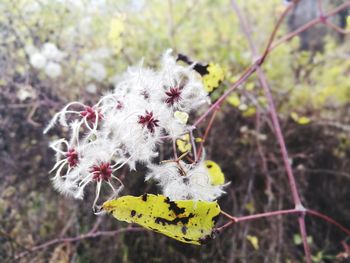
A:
(214, 77)
(188, 221)
(212, 73)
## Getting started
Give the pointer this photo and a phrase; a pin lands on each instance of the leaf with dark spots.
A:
(188, 221)
(184, 230)
(175, 221)
(144, 197)
(173, 207)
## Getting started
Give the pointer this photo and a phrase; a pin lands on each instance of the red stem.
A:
(267, 214)
(251, 69)
(309, 24)
(299, 211)
(329, 220)
(206, 133)
(302, 229)
(274, 117)
(77, 238)
(246, 74)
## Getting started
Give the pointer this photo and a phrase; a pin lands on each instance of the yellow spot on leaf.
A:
(215, 174)
(214, 77)
(188, 221)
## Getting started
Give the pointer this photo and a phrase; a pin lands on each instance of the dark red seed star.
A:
(90, 114)
(148, 121)
(72, 157)
(174, 95)
(102, 171)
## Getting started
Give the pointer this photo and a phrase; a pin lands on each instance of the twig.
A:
(206, 133)
(309, 25)
(252, 68)
(274, 117)
(77, 238)
(301, 212)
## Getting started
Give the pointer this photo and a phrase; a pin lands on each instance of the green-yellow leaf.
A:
(115, 32)
(302, 120)
(250, 111)
(250, 207)
(188, 221)
(298, 240)
(234, 100)
(254, 241)
(249, 86)
(184, 144)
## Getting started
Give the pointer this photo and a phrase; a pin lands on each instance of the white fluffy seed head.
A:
(181, 181)
(125, 128)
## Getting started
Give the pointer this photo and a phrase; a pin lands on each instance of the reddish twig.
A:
(274, 116)
(329, 220)
(299, 211)
(206, 133)
(337, 28)
(77, 238)
(309, 25)
(252, 68)
(272, 107)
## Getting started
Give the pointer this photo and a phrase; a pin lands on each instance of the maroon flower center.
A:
(119, 105)
(102, 171)
(90, 114)
(72, 157)
(173, 95)
(148, 121)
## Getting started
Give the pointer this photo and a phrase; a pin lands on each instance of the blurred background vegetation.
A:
(55, 51)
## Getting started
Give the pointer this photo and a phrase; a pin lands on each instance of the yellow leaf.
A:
(243, 107)
(234, 100)
(215, 174)
(198, 139)
(303, 120)
(250, 111)
(116, 28)
(214, 77)
(262, 101)
(188, 221)
(249, 86)
(300, 120)
(182, 117)
(184, 144)
(254, 241)
(250, 207)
